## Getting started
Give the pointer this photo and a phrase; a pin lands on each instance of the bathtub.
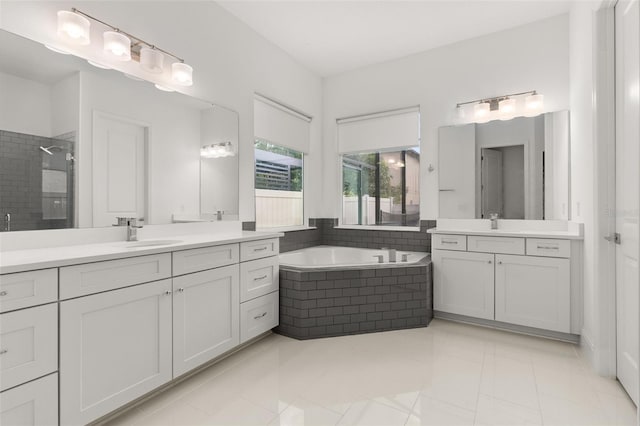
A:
(328, 291)
(333, 257)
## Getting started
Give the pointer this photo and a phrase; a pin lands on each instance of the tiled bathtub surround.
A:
(335, 303)
(326, 233)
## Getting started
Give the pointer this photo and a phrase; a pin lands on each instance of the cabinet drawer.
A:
(259, 315)
(449, 242)
(504, 245)
(549, 248)
(26, 289)
(201, 259)
(28, 344)
(258, 249)
(95, 277)
(259, 277)
(34, 403)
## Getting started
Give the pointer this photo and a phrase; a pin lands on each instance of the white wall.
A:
(25, 106)
(65, 105)
(531, 57)
(230, 62)
(591, 38)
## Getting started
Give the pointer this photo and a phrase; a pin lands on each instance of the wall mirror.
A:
(82, 145)
(518, 168)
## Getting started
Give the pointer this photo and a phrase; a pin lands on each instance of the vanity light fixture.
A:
(118, 45)
(503, 107)
(217, 150)
(98, 65)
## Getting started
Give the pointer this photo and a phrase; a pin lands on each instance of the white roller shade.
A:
(280, 125)
(379, 132)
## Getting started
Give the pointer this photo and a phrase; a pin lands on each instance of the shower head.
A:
(52, 147)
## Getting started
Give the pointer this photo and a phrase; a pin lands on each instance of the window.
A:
(381, 168)
(381, 188)
(279, 173)
(281, 139)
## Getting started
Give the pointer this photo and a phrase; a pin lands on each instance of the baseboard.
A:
(555, 335)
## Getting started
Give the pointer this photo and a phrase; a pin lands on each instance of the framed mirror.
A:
(517, 169)
(81, 145)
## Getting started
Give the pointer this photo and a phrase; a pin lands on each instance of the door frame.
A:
(97, 114)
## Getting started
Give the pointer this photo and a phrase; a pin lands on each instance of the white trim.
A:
(387, 113)
(284, 108)
(380, 228)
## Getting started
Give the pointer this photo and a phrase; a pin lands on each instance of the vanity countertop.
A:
(566, 235)
(53, 257)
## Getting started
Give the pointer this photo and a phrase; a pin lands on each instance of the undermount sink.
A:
(150, 243)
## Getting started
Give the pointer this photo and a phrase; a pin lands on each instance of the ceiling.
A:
(330, 37)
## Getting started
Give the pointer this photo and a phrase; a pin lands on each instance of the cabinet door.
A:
(205, 316)
(34, 403)
(114, 347)
(463, 283)
(533, 291)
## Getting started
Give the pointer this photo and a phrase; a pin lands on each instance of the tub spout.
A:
(392, 253)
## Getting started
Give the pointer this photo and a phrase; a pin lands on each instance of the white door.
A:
(627, 192)
(463, 283)
(119, 169)
(534, 292)
(206, 316)
(492, 201)
(114, 347)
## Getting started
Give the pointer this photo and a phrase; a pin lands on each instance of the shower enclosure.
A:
(36, 181)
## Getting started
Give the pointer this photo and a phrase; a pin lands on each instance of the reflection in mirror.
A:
(518, 169)
(218, 171)
(80, 146)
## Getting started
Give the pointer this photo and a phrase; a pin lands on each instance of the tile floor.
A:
(445, 374)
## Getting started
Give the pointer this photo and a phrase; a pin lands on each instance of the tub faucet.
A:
(392, 253)
(132, 229)
(494, 220)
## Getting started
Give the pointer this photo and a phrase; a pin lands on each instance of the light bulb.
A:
(481, 110)
(534, 102)
(507, 106)
(73, 28)
(117, 46)
(181, 74)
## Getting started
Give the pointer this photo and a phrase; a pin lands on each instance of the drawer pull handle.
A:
(3, 293)
(489, 262)
(4, 351)
(260, 278)
(260, 249)
(257, 317)
(168, 292)
(449, 242)
(500, 262)
(549, 247)
(181, 290)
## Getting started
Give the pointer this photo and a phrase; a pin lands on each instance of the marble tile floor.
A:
(445, 374)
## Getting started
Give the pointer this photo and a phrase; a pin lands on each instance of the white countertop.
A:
(567, 235)
(511, 228)
(52, 257)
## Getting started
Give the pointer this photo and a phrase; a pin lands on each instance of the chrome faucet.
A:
(132, 229)
(392, 253)
(494, 220)
(219, 214)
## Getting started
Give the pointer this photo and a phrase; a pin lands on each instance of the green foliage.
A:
(268, 146)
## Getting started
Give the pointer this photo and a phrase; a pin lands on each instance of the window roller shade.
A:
(379, 132)
(281, 126)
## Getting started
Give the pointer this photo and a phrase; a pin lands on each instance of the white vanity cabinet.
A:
(463, 283)
(259, 287)
(29, 348)
(206, 321)
(508, 280)
(534, 292)
(114, 347)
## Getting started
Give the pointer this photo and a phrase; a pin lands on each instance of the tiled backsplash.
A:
(326, 233)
